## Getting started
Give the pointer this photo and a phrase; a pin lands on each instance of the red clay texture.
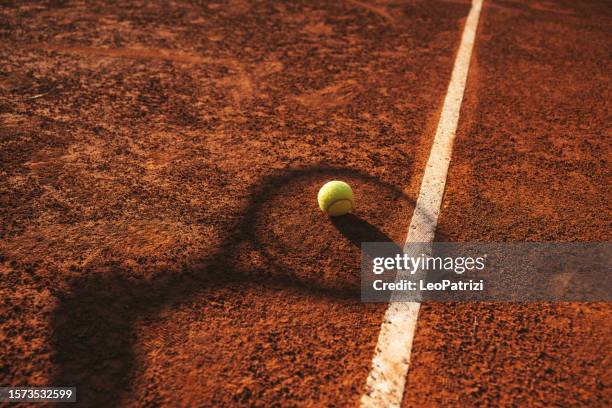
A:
(160, 240)
(531, 163)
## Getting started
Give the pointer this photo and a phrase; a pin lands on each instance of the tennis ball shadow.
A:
(93, 326)
(357, 230)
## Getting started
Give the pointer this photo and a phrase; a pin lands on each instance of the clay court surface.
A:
(160, 240)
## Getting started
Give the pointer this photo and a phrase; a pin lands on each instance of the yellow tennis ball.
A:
(336, 198)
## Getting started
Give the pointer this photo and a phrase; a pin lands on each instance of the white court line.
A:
(387, 378)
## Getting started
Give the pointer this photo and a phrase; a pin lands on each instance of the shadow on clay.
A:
(92, 328)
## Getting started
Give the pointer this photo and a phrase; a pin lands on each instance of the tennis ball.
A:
(335, 198)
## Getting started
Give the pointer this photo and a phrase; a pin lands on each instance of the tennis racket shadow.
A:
(93, 335)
